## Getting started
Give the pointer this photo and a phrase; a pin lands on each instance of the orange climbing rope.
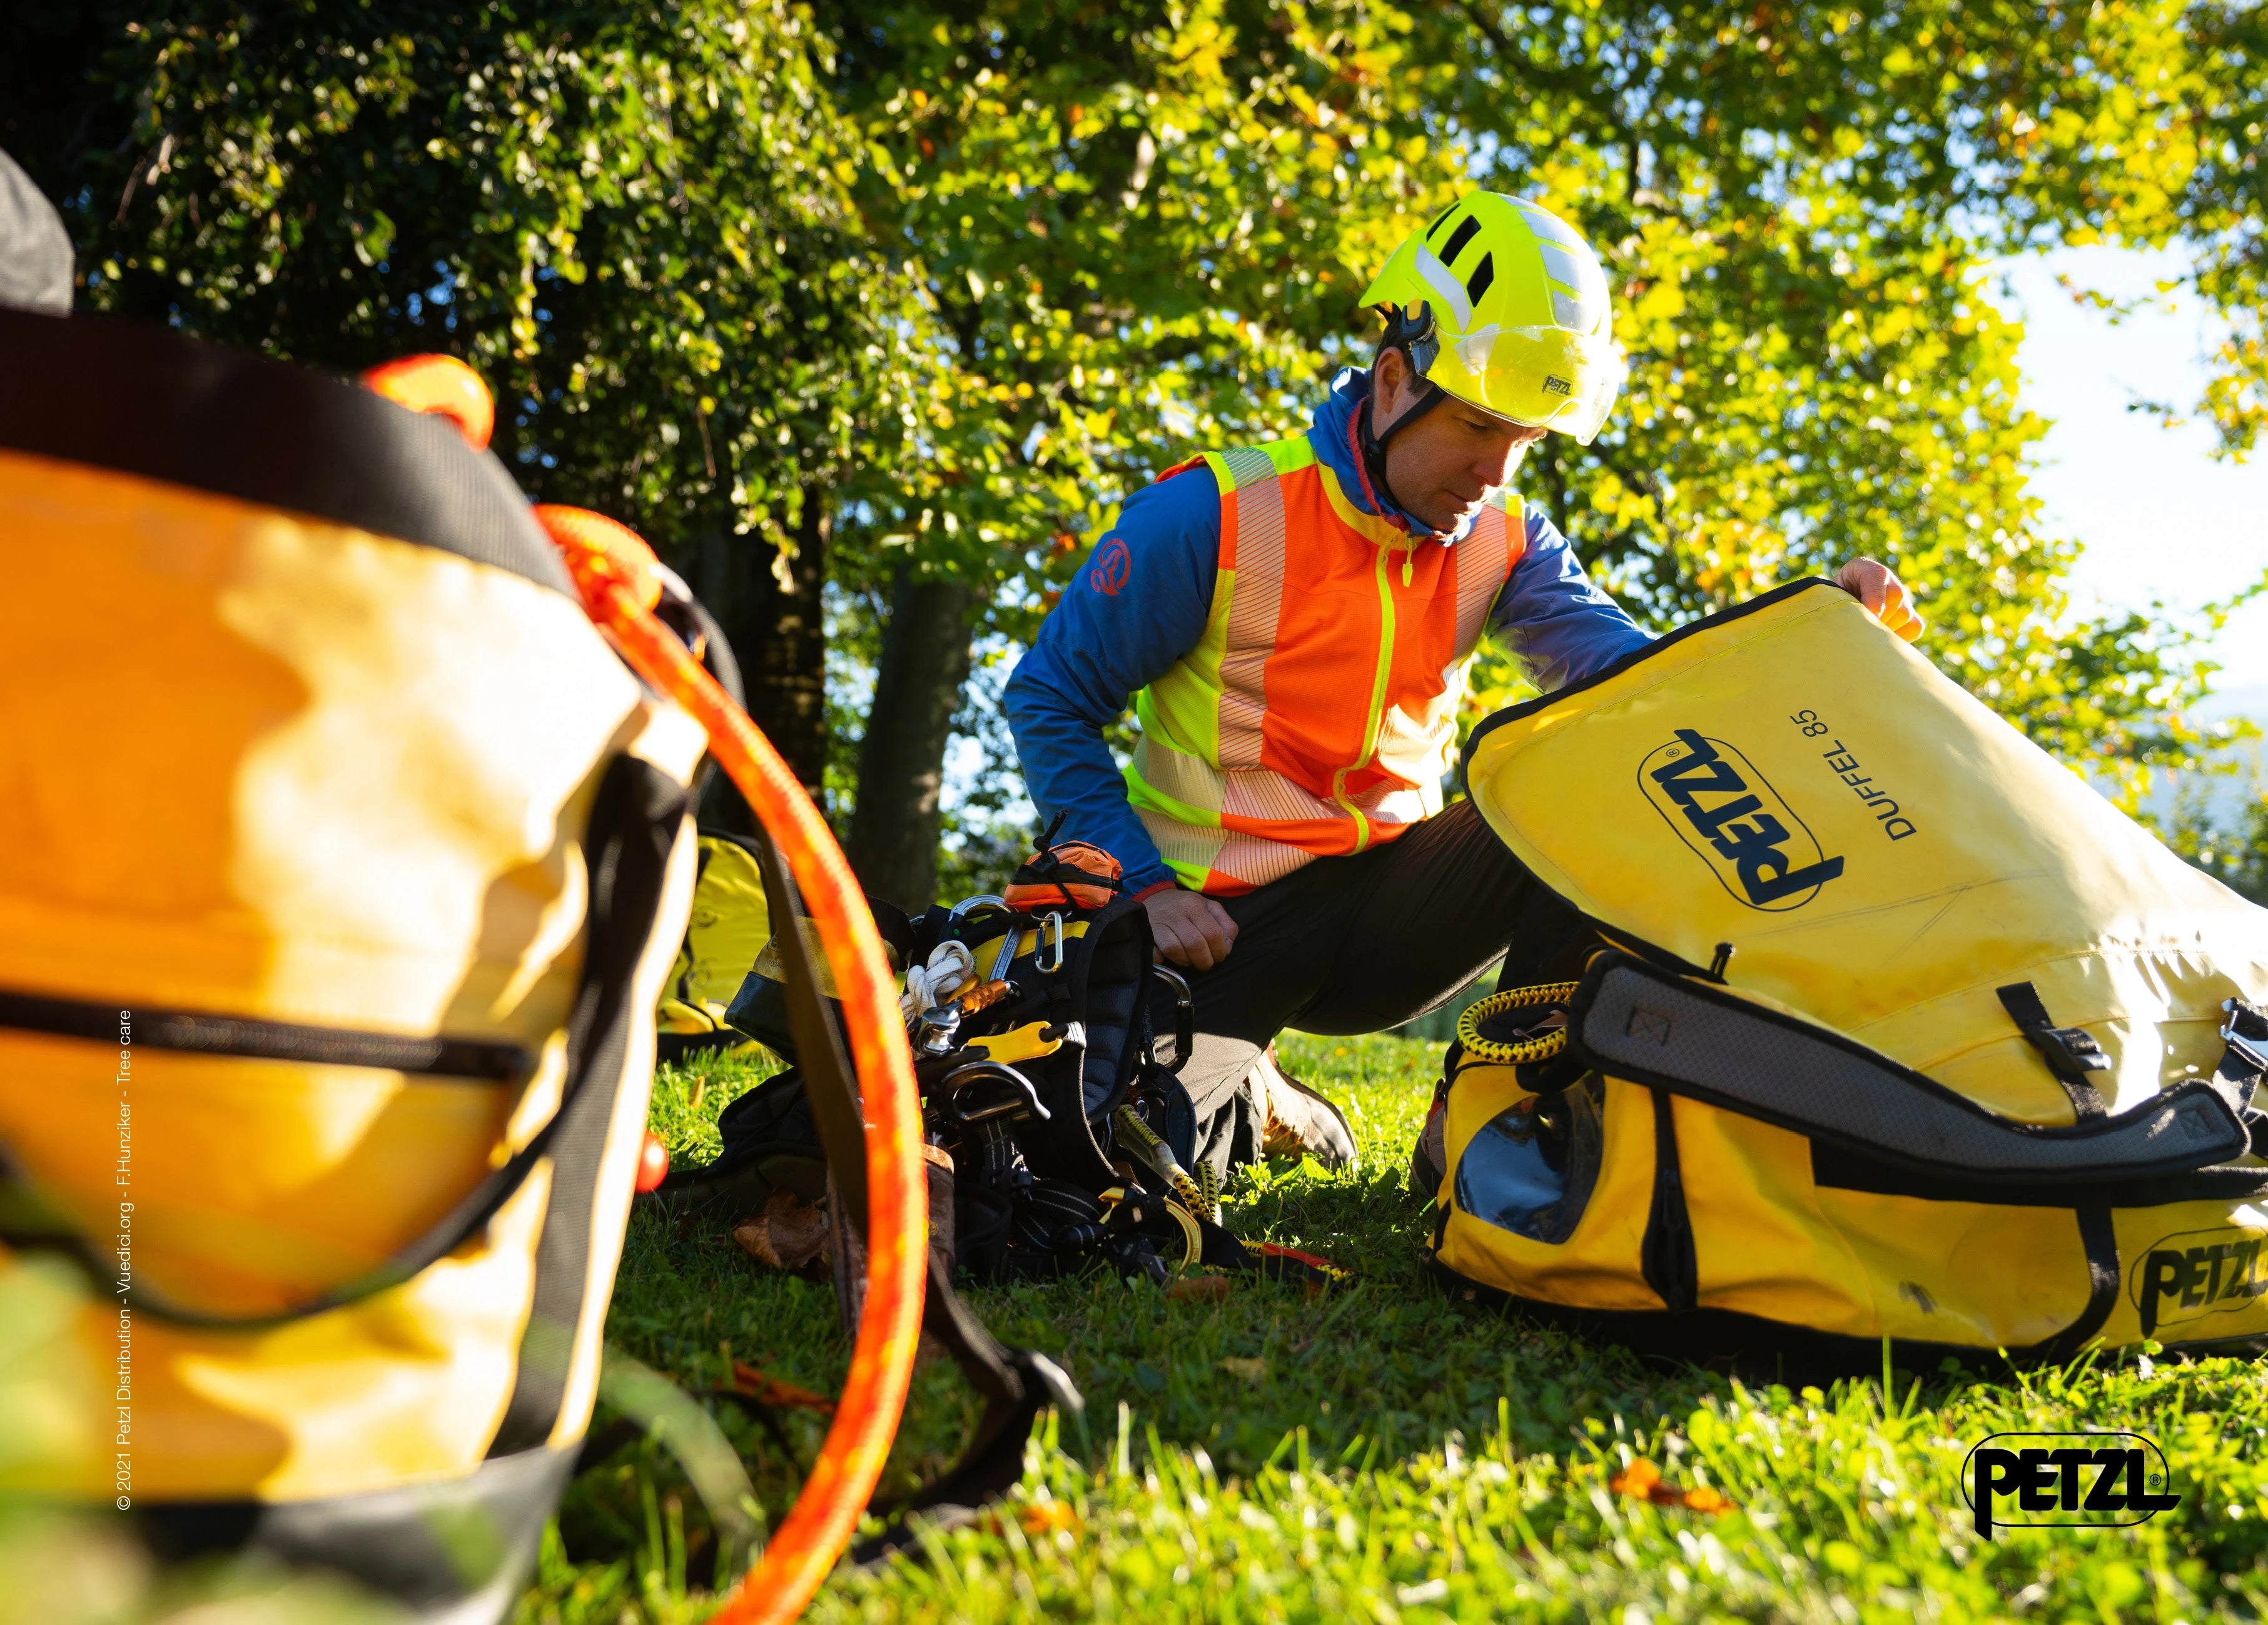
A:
(615, 571)
(842, 1479)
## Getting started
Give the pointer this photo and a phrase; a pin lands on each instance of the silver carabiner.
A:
(1055, 924)
(2236, 1010)
(1001, 960)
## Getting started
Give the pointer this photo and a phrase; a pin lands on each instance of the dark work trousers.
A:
(1359, 944)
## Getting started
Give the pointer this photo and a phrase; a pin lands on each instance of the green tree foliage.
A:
(1142, 230)
(947, 280)
(1145, 229)
(2221, 211)
(1801, 203)
(634, 220)
(2233, 850)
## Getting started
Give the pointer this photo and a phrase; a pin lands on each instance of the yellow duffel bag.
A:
(342, 860)
(1884, 1023)
(726, 933)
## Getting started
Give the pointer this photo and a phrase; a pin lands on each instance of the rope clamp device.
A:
(957, 1082)
(938, 1029)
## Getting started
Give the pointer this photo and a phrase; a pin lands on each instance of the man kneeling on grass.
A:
(1293, 622)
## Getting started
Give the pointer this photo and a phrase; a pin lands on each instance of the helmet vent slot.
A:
(1484, 274)
(1459, 238)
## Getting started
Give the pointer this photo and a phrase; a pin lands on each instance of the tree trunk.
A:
(893, 834)
(779, 635)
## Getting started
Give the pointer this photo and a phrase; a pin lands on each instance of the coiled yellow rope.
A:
(1542, 1047)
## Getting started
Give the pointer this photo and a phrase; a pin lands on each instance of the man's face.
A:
(1442, 466)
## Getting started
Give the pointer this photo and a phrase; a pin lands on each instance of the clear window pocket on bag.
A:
(1530, 1170)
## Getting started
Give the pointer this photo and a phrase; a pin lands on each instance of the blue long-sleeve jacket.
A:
(1095, 650)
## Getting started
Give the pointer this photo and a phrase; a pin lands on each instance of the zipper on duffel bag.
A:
(201, 1033)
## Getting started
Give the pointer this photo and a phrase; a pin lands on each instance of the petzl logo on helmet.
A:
(1554, 385)
(2070, 1480)
(2197, 1273)
(1722, 808)
(1111, 567)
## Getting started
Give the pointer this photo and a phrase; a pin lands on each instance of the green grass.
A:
(1399, 1455)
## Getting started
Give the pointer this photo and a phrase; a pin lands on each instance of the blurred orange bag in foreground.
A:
(342, 860)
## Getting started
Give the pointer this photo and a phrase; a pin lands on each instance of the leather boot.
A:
(1298, 1120)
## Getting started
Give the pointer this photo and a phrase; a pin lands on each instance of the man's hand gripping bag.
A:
(1892, 1027)
(341, 865)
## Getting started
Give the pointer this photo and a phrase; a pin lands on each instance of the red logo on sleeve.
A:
(1111, 566)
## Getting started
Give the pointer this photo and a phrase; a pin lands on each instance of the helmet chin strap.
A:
(1406, 335)
(1373, 443)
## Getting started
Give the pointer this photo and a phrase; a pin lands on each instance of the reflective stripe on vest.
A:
(1316, 715)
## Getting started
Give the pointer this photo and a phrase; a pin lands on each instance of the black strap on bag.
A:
(2071, 1052)
(634, 821)
(1653, 1026)
(1017, 1383)
(2243, 1063)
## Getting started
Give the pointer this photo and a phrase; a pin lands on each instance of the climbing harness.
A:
(1060, 1139)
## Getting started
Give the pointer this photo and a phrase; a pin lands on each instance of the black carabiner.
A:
(1185, 1019)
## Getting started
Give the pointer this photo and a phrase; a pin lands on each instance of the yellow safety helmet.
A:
(1502, 305)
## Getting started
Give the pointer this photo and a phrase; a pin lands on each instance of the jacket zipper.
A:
(200, 1032)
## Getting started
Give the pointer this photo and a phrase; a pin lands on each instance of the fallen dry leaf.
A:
(788, 1235)
(1642, 1480)
(767, 1389)
(1035, 1518)
(1042, 1517)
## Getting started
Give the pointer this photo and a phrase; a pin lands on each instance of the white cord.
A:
(951, 966)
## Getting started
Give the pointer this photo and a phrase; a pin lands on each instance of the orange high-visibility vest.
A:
(1315, 717)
